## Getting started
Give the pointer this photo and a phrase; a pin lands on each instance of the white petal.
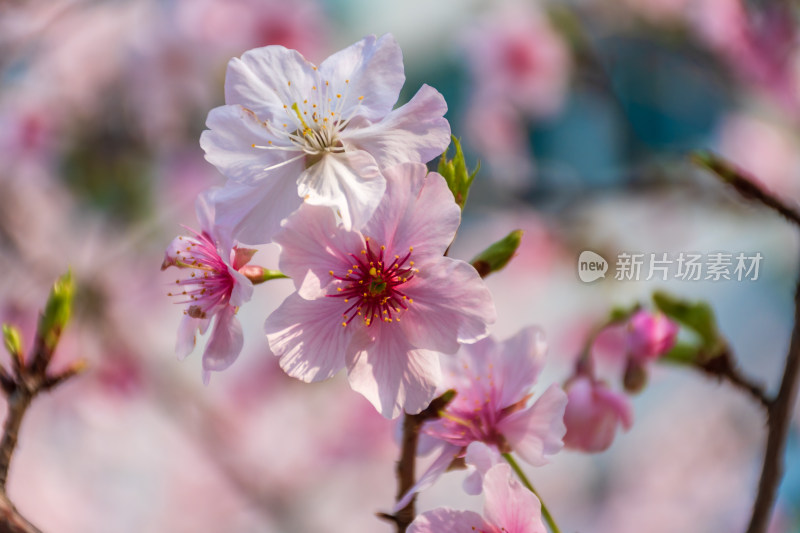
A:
(265, 79)
(350, 183)
(374, 70)
(225, 342)
(416, 132)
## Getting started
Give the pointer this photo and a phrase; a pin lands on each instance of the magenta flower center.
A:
(372, 287)
(209, 285)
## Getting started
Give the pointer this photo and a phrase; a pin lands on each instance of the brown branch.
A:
(744, 184)
(723, 368)
(11, 521)
(780, 410)
(406, 466)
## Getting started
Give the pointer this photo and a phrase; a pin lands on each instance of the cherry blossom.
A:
(509, 508)
(214, 289)
(493, 382)
(382, 302)
(294, 132)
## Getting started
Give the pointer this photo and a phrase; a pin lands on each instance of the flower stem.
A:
(524, 479)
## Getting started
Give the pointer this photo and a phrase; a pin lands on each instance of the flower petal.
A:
(519, 361)
(228, 144)
(482, 457)
(374, 70)
(444, 520)
(311, 243)
(253, 213)
(415, 132)
(439, 466)
(538, 430)
(417, 210)
(350, 183)
(389, 372)
(225, 342)
(451, 304)
(242, 288)
(508, 505)
(308, 337)
(265, 79)
(187, 331)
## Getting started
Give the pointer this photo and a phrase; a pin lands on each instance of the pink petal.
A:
(265, 79)
(443, 520)
(510, 506)
(438, 467)
(451, 304)
(350, 183)
(374, 69)
(518, 362)
(538, 430)
(308, 337)
(228, 144)
(187, 331)
(418, 210)
(225, 342)
(253, 213)
(242, 288)
(389, 372)
(312, 244)
(482, 457)
(415, 132)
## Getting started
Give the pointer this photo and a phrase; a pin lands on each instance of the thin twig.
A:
(744, 184)
(406, 466)
(780, 411)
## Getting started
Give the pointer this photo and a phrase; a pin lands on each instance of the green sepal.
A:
(498, 254)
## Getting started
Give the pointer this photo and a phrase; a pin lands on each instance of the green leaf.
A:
(621, 314)
(455, 172)
(497, 255)
(682, 353)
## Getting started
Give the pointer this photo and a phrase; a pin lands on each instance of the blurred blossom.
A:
(493, 382)
(650, 335)
(765, 149)
(509, 508)
(229, 27)
(520, 71)
(593, 414)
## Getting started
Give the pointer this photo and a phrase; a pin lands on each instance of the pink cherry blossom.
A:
(214, 288)
(509, 508)
(493, 382)
(593, 414)
(383, 302)
(650, 335)
(292, 131)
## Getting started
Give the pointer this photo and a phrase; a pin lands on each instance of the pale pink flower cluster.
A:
(319, 162)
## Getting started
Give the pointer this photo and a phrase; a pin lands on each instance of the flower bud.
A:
(650, 335)
(258, 274)
(57, 311)
(12, 340)
(455, 172)
(593, 413)
(497, 255)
